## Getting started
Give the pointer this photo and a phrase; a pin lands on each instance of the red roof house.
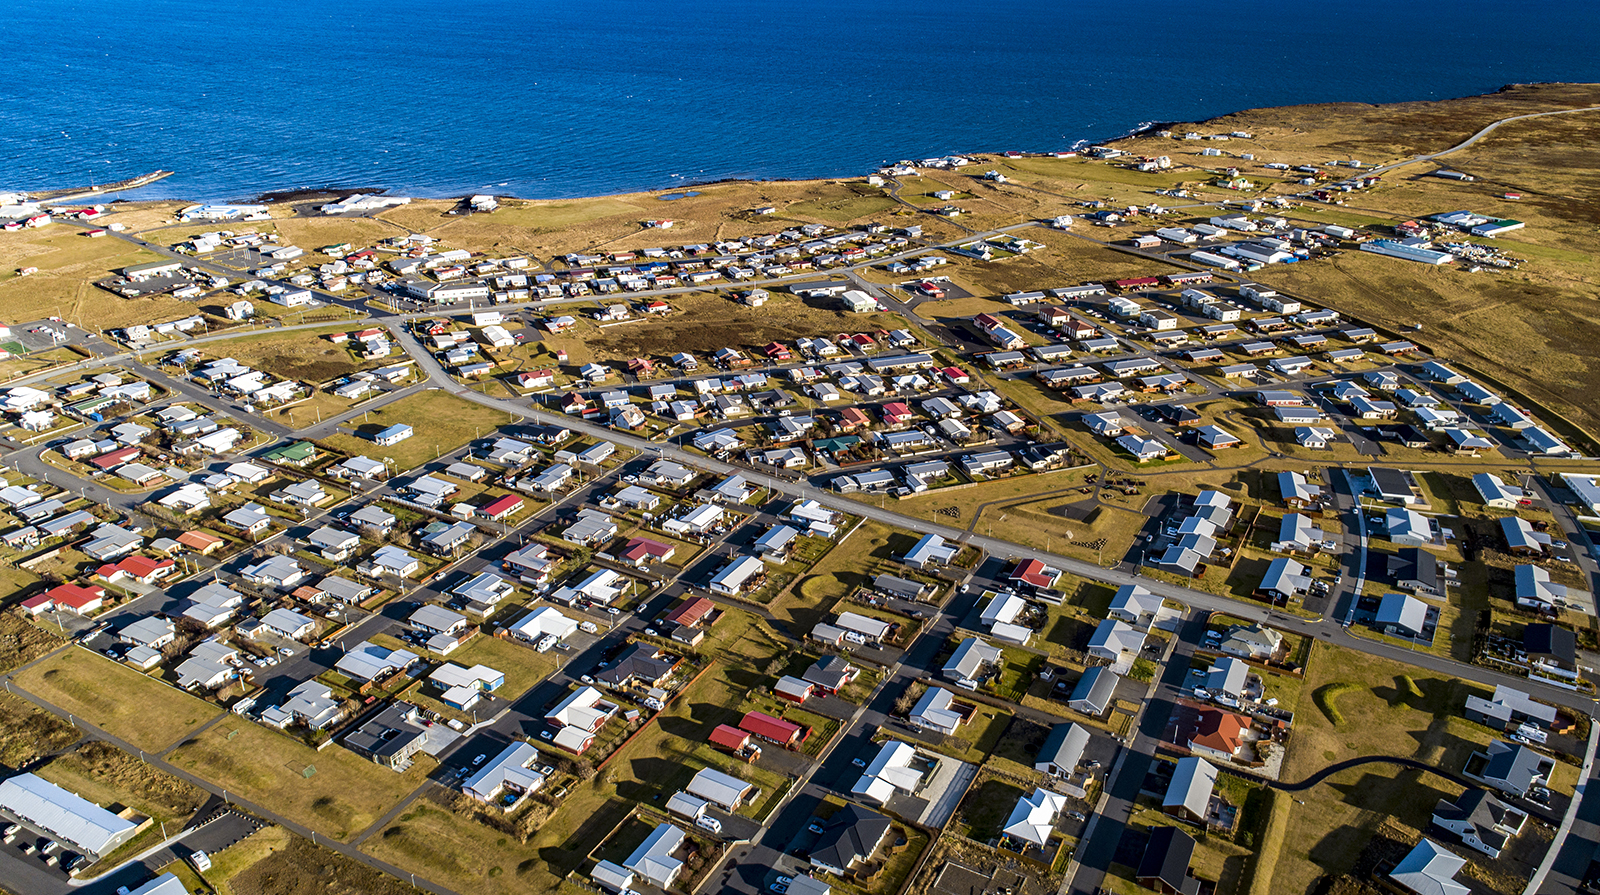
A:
(773, 730)
(730, 738)
(71, 597)
(691, 612)
(1219, 733)
(199, 541)
(501, 508)
(896, 413)
(852, 418)
(1035, 573)
(142, 569)
(113, 459)
(643, 550)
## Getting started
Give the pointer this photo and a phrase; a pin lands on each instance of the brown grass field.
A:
(110, 695)
(344, 796)
(1328, 832)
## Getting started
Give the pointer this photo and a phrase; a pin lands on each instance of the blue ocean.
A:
(560, 98)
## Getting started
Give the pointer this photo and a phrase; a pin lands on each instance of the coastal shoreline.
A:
(311, 193)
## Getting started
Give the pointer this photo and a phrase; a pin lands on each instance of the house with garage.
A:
(1116, 641)
(1480, 820)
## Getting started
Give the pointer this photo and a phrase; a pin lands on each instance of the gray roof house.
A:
(1512, 768)
(1094, 691)
(969, 659)
(1062, 750)
(1189, 794)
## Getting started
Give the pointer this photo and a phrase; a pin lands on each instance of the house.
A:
(333, 543)
(370, 662)
(1094, 691)
(653, 860)
(1297, 534)
(1512, 768)
(1219, 734)
(1033, 820)
(1482, 821)
(433, 619)
(969, 660)
(793, 689)
(510, 772)
(612, 878)
(1522, 539)
(733, 740)
(1252, 642)
(774, 730)
(1189, 793)
(311, 703)
(1284, 579)
(1215, 437)
(1408, 527)
(391, 737)
(1164, 866)
(643, 551)
(274, 571)
(1508, 709)
(1139, 607)
(930, 551)
(142, 569)
(1116, 642)
(287, 624)
(724, 791)
(889, 773)
(738, 576)
(74, 598)
(546, 621)
(934, 712)
(1033, 573)
(578, 716)
(373, 517)
(251, 518)
(1536, 591)
(1226, 677)
(462, 687)
(1415, 570)
(1429, 869)
(390, 560)
(438, 538)
(830, 674)
(1062, 750)
(642, 665)
(149, 631)
(850, 837)
(1296, 491)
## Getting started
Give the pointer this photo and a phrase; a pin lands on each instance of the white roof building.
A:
(66, 817)
(888, 773)
(1034, 817)
(510, 770)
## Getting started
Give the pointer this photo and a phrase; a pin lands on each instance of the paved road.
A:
(1487, 129)
(1097, 847)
